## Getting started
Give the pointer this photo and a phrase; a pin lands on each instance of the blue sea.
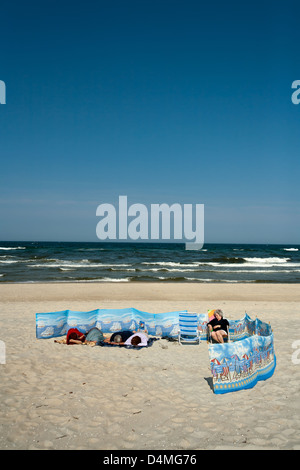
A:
(147, 262)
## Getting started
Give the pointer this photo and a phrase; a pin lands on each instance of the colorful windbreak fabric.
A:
(248, 358)
(53, 324)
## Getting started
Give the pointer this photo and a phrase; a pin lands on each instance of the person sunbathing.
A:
(138, 339)
(119, 337)
(128, 338)
(95, 337)
(74, 336)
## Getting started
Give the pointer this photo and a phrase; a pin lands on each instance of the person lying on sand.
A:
(138, 339)
(135, 339)
(119, 337)
(95, 337)
(74, 336)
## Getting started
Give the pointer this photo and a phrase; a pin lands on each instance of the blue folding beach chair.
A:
(188, 328)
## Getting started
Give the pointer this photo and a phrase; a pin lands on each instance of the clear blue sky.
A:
(159, 100)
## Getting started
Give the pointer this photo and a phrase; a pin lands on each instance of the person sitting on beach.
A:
(218, 327)
(119, 337)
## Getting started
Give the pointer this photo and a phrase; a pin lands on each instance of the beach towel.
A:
(129, 346)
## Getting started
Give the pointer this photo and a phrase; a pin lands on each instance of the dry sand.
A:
(55, 396)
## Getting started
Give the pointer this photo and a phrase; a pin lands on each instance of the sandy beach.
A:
(54, 396)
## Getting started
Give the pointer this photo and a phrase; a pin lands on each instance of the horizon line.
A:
(148, 242)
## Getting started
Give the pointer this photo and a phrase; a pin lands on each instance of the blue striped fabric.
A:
(188, 327)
